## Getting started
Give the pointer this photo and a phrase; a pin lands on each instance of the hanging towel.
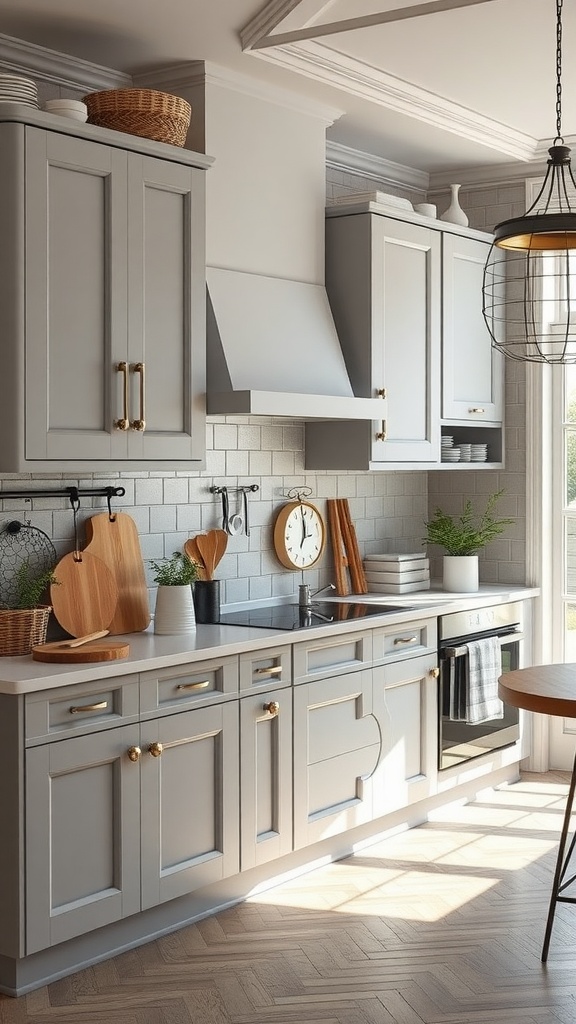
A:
(484, 668)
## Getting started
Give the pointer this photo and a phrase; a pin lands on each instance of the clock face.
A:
(299, 535)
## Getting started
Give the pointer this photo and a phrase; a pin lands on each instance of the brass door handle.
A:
(435, 672)
(141, 423)
(476, 410)
(124, 423)
(405, 640)
(79, 710)
(381, 434)
(381, 392)
(194, 686)
(134, 753)
(272, 708)
(274, 670)
(155, 749)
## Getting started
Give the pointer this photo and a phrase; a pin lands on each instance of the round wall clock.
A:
(299, 535)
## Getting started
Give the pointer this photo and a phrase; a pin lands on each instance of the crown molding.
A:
(198, 72)
(375, 168)
(60, 68)
(328, 66)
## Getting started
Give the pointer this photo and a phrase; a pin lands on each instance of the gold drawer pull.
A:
(435, 672)
(382, 433)
(155, 749)
(141, 423)
(193, 686)
(381, 392)
(272, 708)
(89, 707)
(405, 639)
(134, 753)
(476, 410)
(275, 670)
(124, 423)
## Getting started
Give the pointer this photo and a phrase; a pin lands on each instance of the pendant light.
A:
(529, 288)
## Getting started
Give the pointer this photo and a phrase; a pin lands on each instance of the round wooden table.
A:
(548, 690)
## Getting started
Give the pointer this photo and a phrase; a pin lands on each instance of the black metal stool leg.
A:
(561, 863)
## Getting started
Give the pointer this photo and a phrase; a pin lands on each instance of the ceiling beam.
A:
(349, 24)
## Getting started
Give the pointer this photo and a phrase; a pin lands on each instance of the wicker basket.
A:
(145, 112)
(22, 629)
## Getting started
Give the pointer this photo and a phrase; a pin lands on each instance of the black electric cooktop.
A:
(291, 616)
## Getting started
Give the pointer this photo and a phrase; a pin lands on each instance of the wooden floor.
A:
(442, 924)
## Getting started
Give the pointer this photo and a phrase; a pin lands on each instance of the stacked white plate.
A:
(16, 89)
(448, 451)
(479, 453)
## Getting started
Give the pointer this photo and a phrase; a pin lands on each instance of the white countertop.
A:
(149, 651)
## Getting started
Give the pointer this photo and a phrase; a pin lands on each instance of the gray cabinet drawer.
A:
(258, 669)
(404, 641)
(84, 707)
(185, 686)
(330, 656)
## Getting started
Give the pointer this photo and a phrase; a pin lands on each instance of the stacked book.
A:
(397, 574)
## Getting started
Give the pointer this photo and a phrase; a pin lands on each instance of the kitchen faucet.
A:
(305, 595)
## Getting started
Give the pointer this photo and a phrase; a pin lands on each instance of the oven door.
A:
(458, 741)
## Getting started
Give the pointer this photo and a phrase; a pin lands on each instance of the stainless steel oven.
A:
(458, 740)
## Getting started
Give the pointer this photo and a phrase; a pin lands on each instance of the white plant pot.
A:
(174, 611)
(460, 574)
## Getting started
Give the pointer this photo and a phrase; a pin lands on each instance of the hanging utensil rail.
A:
(67, 492)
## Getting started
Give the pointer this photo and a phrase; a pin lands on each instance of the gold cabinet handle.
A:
(381, 392)
(435, 672)
(77, 710)
(405, 639)
(274, 670)
(124, 423)
(381, 434)
(134, 753)
(194, 686)
(155, 749)
(476, 410)
(272, 708)
(141, 423)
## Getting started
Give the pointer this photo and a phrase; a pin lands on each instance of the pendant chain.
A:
(559, 69)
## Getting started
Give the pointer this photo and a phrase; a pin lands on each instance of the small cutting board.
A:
(115, 541)
(96, 650)
(84, 599)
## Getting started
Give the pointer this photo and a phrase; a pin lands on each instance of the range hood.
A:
(273, 350)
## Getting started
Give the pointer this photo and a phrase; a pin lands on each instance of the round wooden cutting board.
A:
(96, 650)
(85, 597)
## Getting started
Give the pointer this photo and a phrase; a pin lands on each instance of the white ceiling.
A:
(462, 84)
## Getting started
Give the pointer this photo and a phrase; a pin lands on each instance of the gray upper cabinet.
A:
(472, 371)
(383, 278)
(103, 304)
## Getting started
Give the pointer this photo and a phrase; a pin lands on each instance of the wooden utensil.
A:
(210, 545)
(356, 569)
(114, 539)
(340, 560)
(191, 550)
(85, 639)
(85, 597)
(95, 650)
(221, 545)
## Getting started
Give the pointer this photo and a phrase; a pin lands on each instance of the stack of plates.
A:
(15, 89)
(397, 574)
(479, 453)
(449, 452)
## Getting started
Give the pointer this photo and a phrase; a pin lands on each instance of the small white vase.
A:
(455, 214)
(460, 574)
(174, 612)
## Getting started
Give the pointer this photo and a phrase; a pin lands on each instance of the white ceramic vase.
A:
(455, 214)
(460, 574)
(174, 611)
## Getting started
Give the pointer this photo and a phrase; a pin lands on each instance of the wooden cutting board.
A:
(84, 599)
(96, 650)
(116, 542)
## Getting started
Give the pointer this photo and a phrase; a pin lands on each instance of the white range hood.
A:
(272, 350)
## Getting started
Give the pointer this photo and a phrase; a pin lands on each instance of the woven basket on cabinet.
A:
(145, 112)
(22, 628)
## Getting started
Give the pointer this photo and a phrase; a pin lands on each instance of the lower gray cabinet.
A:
(82, 835)
(265, 777)
(337, 746)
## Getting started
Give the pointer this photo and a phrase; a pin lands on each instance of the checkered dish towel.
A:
(484, 668)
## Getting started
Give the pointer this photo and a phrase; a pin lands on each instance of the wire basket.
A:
(145, 112)
(22, 628)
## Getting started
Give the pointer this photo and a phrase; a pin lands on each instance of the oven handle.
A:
(458, 652)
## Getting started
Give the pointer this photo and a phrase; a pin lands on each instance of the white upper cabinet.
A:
(103, 303)
(472, 371)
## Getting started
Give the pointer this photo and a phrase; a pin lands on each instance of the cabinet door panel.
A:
(82, 836)
(75, 296)
(190, 795)
(266, 778)
(336, 748)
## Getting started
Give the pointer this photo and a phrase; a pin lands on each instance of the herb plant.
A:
(465, 534)
(29, 586)
(178, 571)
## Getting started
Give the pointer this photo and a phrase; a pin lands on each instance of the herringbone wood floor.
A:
(442, 925)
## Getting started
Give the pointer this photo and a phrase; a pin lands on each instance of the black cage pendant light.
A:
(529, 289)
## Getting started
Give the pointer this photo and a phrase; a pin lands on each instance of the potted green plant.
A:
(462, 537)
(174, 612)
(24, 621)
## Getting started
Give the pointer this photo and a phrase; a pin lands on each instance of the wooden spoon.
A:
(221, 545)
(192, 552)
(207, 546)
